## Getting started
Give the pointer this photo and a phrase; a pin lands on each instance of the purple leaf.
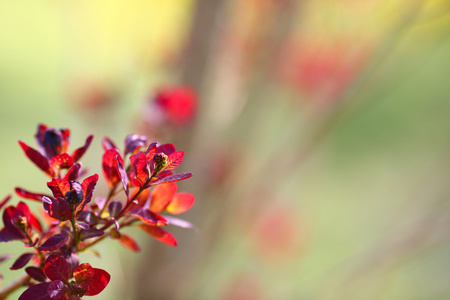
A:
(57, 290)
(134, 142)
(57, 268)
(172, 178)
(36, 292)
(36, 273)
(91, 233)
(54, 242)
(114, 208)
(83, 226)
(21, 261)
(7, 236)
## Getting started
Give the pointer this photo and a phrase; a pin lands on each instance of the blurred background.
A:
(317, 133)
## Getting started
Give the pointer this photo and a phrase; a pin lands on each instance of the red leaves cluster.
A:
(87, 281)
(74, 223)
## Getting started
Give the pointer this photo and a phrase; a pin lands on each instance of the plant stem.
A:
(16, 284)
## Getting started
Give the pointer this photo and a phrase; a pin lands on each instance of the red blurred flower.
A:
(19, 222)
(171, 106)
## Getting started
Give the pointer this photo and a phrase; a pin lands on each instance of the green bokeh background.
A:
(372, 196)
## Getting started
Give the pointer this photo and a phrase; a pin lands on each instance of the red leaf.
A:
(9, 215)
(4, 201)
(36, 292)
(21, 261)
(161, 196)
(61, 161)
(166, 149)
(122, 173)
(32, 220)
(84, 273)
(109, 167)
(73, 172)
(79, 152)
(57, 268)
(140, 167)
(36, 273)
(57, 208)
(129, 242)
(148, 217)
(151, 150)
(88, 186)
(99, 282)
(37, 158)
(172, 178)
(29, 195)
(59, 187)
(181, 202)
(174, 160)
(54, 242)
(159, 234)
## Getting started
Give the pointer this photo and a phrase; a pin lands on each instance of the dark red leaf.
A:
(58, 290)
(108, 144)
(29, 195)
(140, 167)
(61, 161)
(161, 196)
(109, 167)
(134, 142)
(21, 261)
(122, 173)
(79, 152)
(172, 178)
(9, 215)
(151, 150)
(159, 234)
(54, 242)
(37, 158)
(36, 273)
(57, 268)
(128, 242)
(148, 217)
(59, 187)
(57, 208)
(36, 292)
(73, 172)
(4, 201)
(114, 208)
(98, 283)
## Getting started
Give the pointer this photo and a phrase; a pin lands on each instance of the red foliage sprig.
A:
(75, 223)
